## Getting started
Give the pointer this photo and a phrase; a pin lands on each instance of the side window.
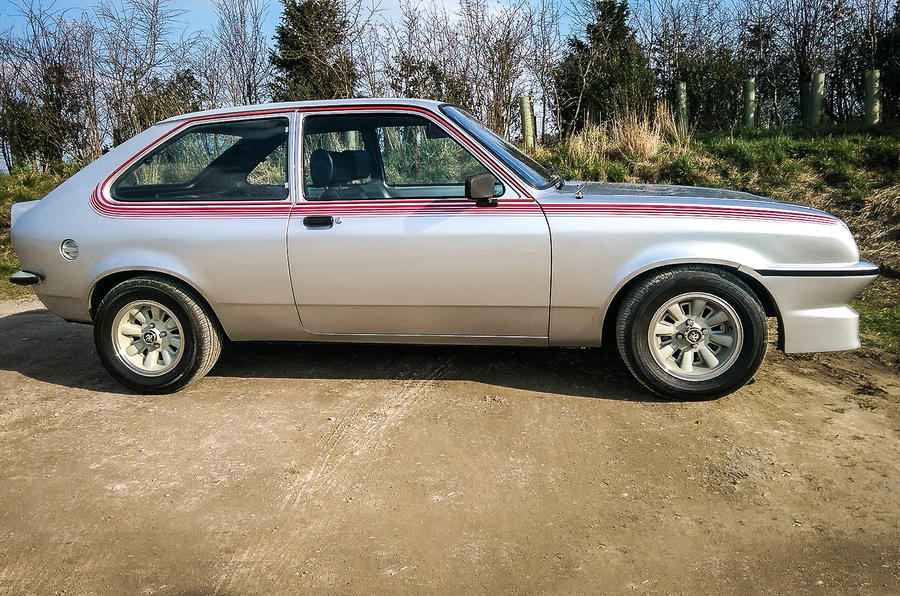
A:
(383, 156)
(223, 161)
(420, 153)
(272, 171)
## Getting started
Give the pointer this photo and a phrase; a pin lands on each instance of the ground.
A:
(404, 469)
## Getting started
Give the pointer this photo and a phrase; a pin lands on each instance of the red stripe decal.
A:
(669, 210)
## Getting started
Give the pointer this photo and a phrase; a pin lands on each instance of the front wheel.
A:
(154, 336)
(692, 333)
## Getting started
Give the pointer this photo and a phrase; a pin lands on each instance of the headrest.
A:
(330, 168)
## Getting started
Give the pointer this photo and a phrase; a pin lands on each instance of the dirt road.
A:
(402, 469)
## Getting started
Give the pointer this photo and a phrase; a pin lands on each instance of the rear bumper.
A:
(813, 305)
(24, 278)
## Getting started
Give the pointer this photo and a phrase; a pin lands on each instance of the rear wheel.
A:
(153, 335)
(692, 333)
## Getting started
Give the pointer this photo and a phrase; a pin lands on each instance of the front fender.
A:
(680, 253)
(582, 323)
(594, 258)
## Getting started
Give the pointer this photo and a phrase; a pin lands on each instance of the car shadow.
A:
(42, 346)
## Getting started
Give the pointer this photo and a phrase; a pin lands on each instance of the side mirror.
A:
(480, 188)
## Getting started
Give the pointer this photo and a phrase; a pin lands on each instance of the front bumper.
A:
(24, 278)
(813, 304)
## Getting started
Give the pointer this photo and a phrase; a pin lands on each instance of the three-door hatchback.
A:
(409, 221)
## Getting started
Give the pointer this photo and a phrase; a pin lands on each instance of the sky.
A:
(198, 14)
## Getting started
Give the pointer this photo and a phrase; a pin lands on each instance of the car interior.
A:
(345, 175)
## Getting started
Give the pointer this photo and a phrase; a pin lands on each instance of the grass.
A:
(847, 170)
(879, 314)
(19, 186)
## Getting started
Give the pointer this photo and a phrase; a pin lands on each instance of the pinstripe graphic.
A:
(416, 208)
(681, 210)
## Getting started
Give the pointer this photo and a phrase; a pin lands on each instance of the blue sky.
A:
(199, 14)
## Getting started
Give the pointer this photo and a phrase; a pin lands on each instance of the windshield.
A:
(531, 171)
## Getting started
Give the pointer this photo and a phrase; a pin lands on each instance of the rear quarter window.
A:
(221, 161)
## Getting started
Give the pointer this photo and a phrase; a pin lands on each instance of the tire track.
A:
(330, 475)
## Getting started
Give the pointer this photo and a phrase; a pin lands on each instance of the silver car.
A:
(408, 221)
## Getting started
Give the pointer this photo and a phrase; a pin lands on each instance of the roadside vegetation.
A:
(849, 171)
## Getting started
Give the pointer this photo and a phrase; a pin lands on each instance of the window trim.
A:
(508, 189)
(183, 128)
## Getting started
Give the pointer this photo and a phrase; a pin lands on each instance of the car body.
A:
(357, 257)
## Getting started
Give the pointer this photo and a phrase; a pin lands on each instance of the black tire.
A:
(201, 336)
(651, 294)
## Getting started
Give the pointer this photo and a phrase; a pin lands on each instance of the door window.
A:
(222, 161)
(383, 156)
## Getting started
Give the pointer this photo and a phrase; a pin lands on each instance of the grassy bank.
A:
(848, 171)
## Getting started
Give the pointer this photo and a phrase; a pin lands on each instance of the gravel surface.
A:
(360, 469)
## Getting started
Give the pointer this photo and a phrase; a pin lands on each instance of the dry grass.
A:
(589, 143)
(635, 136)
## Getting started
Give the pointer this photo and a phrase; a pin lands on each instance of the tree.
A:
(413, 77)
(605, 74)
(887, 59)
(48, 90)
(163, 98)
(545, 50)
(805, 27)
(765, 60)
(309, 58)
(18, 122)
(242, 45)
(140, 51)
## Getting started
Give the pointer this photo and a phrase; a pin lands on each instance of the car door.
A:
(383, 240)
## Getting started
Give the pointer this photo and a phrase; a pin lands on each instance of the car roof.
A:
(289, 105)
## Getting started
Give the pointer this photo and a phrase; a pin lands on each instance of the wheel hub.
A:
(147, 337)
(695, 336)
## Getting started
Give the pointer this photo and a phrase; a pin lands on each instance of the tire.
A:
(155, 335)
(714, 350)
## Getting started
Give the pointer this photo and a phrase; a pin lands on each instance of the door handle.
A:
(318, 222)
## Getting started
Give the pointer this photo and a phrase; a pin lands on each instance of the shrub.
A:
(636, 137)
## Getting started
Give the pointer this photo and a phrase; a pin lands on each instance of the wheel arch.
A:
(108, 281)
(628, 284)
